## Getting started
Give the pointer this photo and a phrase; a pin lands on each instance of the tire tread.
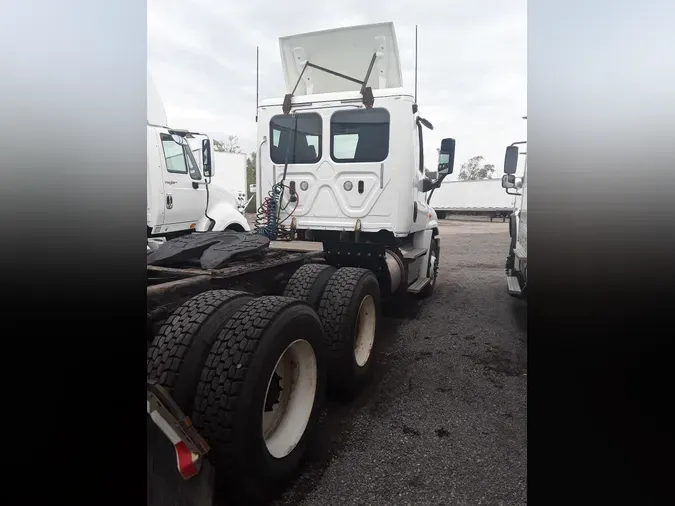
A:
(335, 303)
(174, 338)
(302, 283)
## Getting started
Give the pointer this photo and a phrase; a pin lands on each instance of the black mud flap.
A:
(165, 485)
(211, 250)
(369, 256)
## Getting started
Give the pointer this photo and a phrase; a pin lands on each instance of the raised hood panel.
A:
(345, 50)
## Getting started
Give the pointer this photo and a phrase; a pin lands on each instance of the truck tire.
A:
(308, 282)
(255, 415)
(432, 266)
(178, 352)
(350, 311)
(158, 316)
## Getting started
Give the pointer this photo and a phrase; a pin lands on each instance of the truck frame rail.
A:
(168, 284)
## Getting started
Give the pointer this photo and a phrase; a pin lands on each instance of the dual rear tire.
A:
(347, 301)
(252, 372)
(260, 393)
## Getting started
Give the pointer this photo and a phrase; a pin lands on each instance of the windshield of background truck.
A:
(179, 158)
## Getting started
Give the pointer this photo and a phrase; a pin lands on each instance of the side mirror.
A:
(508, 181)
(511, 160)
(207, 167)
(425, 122)
(446, 157)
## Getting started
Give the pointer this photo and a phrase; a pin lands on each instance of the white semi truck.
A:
(343, 152)
(180, 198)
(247, 332)
(481, 197)
(516, 260)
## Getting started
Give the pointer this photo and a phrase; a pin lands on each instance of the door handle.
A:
(195, 185)
(169, 201)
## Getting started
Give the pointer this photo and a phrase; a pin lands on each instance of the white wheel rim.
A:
(432, 268)
(291, 407)
(364, 339)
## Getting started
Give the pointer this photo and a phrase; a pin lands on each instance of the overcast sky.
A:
(472, 63)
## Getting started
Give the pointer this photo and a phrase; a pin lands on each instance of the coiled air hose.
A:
(268, 213)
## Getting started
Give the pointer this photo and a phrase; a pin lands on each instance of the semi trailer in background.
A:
(482, 197)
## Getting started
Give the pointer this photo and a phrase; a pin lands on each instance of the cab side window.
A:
(179, 159)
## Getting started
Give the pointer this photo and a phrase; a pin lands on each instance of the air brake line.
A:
(269, 212)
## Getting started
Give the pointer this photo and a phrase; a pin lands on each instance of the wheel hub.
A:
(289, 398)
(365, 330)
(432, 268)
(274, 392)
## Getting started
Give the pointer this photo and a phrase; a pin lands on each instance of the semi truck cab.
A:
(180, 199)
(343, 151)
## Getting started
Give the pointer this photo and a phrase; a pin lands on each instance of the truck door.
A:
(420, 218)
(522, 229)
(359, 154)
(185, 198)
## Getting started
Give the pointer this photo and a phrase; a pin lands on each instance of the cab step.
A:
(413, 254)
(419, 285)
(513, 285)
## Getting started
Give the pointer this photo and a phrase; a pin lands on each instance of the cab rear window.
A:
(296, 144)
(359, 135)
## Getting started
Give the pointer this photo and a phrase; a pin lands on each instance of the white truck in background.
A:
(481, 197)
(231, 177)
(180, 198)
(516, 260)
